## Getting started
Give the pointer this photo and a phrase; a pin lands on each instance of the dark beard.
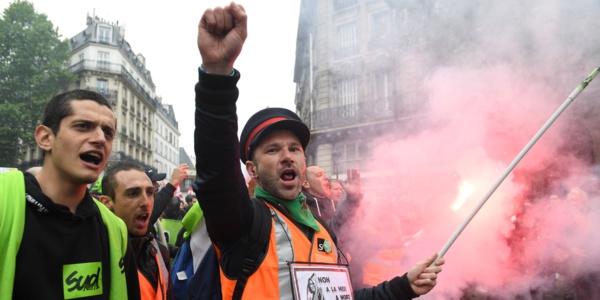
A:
(269, 184)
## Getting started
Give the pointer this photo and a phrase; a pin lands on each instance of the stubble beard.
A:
(269, 184)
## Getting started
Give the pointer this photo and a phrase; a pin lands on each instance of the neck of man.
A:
(61, 190)
(309, 192)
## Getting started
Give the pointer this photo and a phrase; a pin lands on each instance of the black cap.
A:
(267, 120)
(155, 177)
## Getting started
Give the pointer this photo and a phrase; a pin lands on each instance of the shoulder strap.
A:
(117, 239)
(12, 225)
(259, 240)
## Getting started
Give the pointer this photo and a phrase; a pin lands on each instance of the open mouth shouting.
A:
(93, 158)
(142, 219)
(289, 176)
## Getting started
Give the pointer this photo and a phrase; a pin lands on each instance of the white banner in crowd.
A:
(320, 281)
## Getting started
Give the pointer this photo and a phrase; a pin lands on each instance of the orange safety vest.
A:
(146, 289)
(386, 264)
(272, 279)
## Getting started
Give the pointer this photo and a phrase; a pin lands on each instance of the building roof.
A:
(184, 158)
(117, 39)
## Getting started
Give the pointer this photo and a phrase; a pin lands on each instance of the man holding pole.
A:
(272, 148)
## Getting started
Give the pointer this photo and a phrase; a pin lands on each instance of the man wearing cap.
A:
(272, 148)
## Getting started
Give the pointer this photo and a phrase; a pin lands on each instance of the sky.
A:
(165, 33)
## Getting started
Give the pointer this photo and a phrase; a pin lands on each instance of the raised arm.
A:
(220, 185)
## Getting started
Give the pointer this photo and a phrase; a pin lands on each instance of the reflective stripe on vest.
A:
(287, 243)
(146, 289)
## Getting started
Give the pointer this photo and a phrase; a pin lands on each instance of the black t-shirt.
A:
(62, 252)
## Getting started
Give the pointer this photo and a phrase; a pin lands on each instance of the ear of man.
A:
(305, 184)
(44, 137)
(107, 201)
(251, 169)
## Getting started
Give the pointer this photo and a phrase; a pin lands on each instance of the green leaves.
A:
(33, 68)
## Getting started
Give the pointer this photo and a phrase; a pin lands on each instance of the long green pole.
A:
(517, 159)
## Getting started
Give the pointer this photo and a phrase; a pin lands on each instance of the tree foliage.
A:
(33, 68)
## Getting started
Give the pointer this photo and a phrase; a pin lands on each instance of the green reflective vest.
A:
(12, 224)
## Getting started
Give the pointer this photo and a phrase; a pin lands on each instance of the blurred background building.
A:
(356, 79)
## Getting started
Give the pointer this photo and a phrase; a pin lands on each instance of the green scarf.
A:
(297, 207)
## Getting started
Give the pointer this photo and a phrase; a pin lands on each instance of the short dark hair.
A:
(59, 107)
(109, 180)
(189, 198)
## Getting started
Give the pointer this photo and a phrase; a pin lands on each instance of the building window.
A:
(346, 43)
(102, 86)
(104, 34)
(342, 4)
(381, 92)
(351, 155)
(347, 97)
(103, 61)
(379, 29)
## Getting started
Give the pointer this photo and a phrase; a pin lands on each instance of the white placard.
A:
(320, 282)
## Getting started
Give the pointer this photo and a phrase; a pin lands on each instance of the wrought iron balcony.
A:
(137, 86)
(107, 67)
(361, 112)
(110, 94)
(365, 112)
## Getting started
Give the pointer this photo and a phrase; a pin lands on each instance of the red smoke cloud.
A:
(535, 232)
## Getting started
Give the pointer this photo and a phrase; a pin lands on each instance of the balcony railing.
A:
(107, 67)
(129, 78)
(110, 94)
(360, 113)
(96, 65)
